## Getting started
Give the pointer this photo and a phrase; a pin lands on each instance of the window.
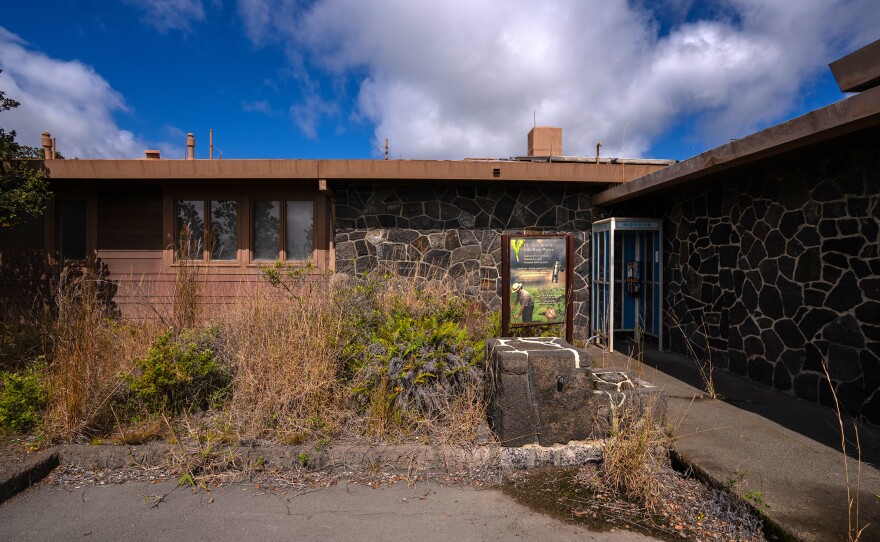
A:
(207, 229)
(283, 229)
(72, 229)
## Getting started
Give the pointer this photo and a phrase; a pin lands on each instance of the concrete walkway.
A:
(762, 440)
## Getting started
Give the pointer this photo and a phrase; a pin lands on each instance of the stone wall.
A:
(778, 265)
(454, 230)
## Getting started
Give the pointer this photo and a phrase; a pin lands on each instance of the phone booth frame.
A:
(634, 238)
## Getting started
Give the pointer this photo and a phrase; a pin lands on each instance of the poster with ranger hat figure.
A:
(537, 276)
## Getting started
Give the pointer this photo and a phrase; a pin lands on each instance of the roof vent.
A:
(152, 154)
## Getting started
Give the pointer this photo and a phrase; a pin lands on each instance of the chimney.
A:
(48, 146)
(152, 154)
(545, 141)
(190, 146)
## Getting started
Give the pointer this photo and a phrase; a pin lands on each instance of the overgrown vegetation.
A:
(634, 455)
(180, 373)
(302, 356)
(22, 398)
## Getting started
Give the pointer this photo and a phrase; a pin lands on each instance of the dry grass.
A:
(284, 352)
(634, 457)
(854, 530)
(88, 350)
(292, 379)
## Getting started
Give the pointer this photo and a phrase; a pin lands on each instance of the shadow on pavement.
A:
(809, 419)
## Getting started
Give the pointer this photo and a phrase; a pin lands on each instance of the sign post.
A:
(537, 278)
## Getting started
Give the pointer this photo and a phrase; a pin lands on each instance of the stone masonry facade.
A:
(454, 231)
(777, 267)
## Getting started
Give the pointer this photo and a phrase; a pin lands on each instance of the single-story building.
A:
(769, 256)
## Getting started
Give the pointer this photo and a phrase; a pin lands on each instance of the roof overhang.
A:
(347, 170)
(859, 70)
(846, 116)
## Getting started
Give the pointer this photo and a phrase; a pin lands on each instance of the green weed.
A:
(23, 398)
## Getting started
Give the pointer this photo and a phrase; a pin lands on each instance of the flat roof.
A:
(349, 170)
(846, 116)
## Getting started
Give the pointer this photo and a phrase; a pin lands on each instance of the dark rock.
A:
(761, 371)
(789, 333)
(813, 297)
(806, 386)
(786, 266)
(770, 302)
(845, 245)
(846, 294)
(808, 237)
(851, 395)
(781, 378)
(794, 248)
(437, 257)
(737, 363)
(871, 409)
(769, 271)
(815, 319)
(843, 363)
(792, 296)
(824, 191)
(760, 231)
(773, 347)
(828, 228)
(869, 313)
(790, 223)
(834, 210)
(871, 287)
(793, 360)
(844, 330)
(808, 266)
(753, 347)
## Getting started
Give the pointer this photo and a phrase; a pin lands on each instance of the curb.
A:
(773, 530)
(345, 458)
(24, 475)
(340, 458)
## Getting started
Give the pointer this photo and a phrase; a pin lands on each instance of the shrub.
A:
(22, 398)
(414, 364)
(181, 372)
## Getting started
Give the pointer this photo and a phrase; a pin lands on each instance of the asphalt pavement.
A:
(138, 511)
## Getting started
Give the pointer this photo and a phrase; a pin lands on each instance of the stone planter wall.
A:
(454, 230)
(777, 267)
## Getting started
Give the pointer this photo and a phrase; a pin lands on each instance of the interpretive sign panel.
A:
(536, 270)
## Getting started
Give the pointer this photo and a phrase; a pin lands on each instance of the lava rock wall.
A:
(774, 270)
(454, 231)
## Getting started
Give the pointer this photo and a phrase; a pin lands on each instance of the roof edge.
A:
(848, 115)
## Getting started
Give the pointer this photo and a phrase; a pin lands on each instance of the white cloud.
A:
(457, 78)
(167, 15)
(66, 98)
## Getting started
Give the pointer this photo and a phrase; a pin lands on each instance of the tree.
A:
(23, 188)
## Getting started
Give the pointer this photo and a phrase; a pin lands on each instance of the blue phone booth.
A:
(627, 279)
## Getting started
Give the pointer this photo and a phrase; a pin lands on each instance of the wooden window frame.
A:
(282, 225)
(206, 235)
(53, 234)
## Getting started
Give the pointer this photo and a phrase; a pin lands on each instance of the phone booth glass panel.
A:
(627, 280)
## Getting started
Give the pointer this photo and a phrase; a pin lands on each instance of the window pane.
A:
(73, 229)
(224, 221)
(190, 228)
(267, 229)
(300, 228)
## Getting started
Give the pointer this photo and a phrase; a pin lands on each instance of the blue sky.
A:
(455, 79)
